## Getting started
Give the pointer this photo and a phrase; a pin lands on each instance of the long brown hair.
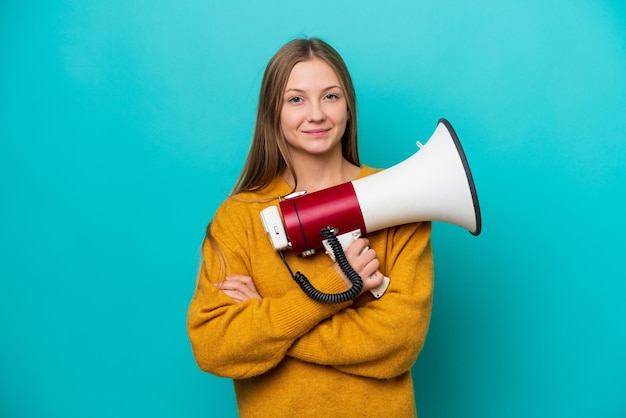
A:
(268, 155)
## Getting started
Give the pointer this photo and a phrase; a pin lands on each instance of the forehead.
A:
(312, 74)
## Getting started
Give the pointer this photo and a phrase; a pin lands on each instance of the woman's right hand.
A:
(364, 261)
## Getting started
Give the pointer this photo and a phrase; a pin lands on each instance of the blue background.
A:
(123, 124)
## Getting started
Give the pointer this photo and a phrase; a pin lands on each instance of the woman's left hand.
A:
(239, 288)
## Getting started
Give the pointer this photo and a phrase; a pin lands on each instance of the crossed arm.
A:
(375, 338)
(362, 259)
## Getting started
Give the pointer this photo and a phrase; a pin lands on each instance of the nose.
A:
(316, 112)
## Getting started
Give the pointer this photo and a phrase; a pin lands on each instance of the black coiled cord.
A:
(357, 283)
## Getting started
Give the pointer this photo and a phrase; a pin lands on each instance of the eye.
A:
(295, 99)
(332, 96)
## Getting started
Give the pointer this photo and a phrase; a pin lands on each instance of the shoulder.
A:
(367, 171)
(276, 187)
(239, 207)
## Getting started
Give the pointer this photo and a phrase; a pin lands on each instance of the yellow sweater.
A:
(290, 356)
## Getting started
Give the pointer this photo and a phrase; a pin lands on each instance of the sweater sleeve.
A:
(241, 340)
(380, 338)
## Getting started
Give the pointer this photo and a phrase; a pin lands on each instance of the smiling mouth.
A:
(316, 132)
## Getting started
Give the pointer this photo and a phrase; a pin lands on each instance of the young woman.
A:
(250, 321)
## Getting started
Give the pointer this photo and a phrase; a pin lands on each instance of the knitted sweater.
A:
(290, 356)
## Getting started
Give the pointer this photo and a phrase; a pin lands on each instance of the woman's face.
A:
(315, 112)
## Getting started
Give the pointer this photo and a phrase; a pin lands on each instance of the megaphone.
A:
(434, 184)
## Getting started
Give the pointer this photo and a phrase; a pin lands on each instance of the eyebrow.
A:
(324, 89)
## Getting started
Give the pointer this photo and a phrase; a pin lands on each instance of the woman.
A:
(248, 320)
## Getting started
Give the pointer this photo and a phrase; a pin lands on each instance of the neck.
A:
(320, 174)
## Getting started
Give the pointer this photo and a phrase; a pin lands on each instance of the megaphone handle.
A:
(346, 240)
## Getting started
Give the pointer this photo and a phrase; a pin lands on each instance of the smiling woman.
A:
(250, 321)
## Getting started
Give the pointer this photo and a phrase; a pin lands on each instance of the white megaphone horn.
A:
(434, 184)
